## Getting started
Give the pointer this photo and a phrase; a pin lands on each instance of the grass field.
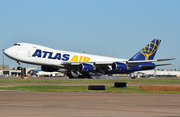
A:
(128, 80)
(57, 88)
(82, 88)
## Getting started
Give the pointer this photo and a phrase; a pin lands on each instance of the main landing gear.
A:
(76, 74)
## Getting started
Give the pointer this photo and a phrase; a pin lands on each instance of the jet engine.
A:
(117, 66)
(86, 67)
(49, 68)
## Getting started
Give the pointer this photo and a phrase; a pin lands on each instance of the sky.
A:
(113, 28)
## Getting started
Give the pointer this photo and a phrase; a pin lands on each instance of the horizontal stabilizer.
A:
(166, 59)
(147, 66)
(148, 61)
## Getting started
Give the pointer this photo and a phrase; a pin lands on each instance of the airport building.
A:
(161, 73)
(4, 70)
(146, 73)
(4, 67)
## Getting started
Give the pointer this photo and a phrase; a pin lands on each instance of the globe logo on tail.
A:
(150, 49)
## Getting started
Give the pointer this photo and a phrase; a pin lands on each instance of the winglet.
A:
(148, 52)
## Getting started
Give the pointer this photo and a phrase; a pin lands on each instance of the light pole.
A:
(3, 60)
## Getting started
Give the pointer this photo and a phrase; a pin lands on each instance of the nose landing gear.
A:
(19, 66)
(23, 70)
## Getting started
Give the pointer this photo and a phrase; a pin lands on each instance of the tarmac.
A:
(80, 104)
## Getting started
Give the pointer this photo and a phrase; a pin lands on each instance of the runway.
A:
(72, 104)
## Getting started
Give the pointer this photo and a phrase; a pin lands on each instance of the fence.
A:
(160, 88)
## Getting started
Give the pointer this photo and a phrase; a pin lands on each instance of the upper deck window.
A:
(17, 44)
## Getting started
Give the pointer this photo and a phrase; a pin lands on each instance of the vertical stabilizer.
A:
(148, 52)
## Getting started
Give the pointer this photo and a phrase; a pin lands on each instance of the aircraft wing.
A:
(99, 63)
(102, 66)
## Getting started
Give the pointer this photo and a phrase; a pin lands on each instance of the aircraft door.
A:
(29, 53)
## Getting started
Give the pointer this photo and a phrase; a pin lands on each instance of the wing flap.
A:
(94, 63)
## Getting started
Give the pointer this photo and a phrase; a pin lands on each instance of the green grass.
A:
(109, 88)
(58, 88)
(128, 80)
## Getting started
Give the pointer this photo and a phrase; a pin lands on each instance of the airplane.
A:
(82, 64)
(44, 73)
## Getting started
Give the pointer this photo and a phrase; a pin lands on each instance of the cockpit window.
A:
(17, 44)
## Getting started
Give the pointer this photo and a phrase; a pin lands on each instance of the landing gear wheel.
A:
(19, 66)
(86, 75)
(69, 73)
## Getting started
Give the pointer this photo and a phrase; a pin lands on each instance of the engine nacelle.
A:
(86, 67)
(117, 66)
(48, 68)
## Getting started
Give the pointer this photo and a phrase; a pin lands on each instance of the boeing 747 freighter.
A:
(81, 63)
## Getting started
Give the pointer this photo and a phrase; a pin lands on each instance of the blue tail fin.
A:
(148, 52)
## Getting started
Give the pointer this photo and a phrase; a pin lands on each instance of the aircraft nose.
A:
(10, 52)
(6, 51)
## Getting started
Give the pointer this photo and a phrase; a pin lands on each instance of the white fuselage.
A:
(40, 55)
